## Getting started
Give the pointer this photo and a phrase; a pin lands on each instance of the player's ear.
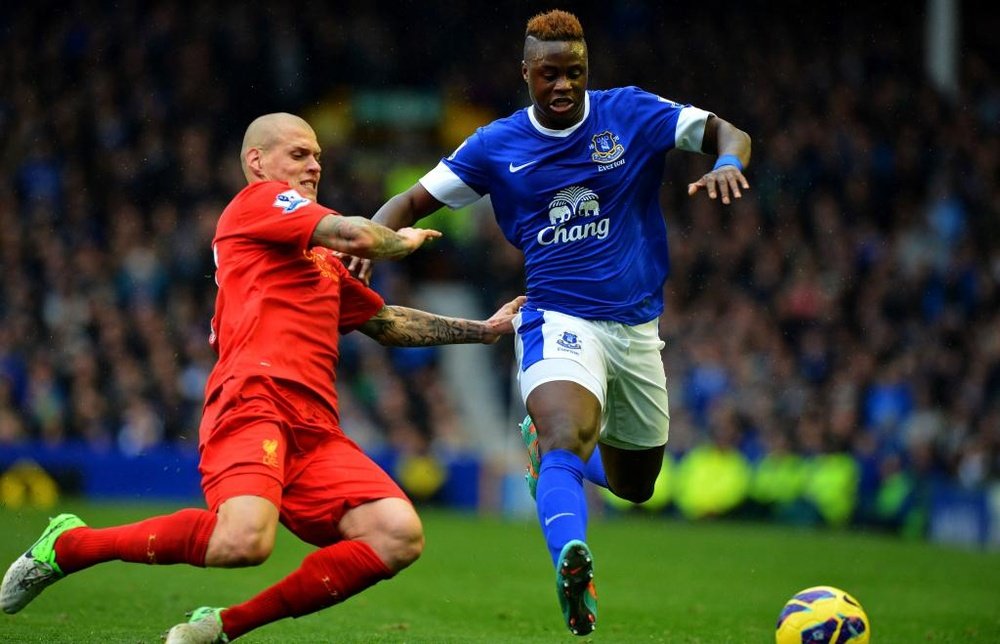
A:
(524, 71)
(254, 161)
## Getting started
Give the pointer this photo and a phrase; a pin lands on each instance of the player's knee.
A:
(252, 551)
(240, 546)
(567, 434)
(402, 543)
(390, 526)
(244, 534)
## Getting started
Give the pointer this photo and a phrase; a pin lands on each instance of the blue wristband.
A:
(728, 159)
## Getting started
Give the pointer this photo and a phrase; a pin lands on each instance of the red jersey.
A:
(281, 305)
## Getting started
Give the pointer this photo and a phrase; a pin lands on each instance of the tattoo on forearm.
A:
(389, 245)
(341, 230)
(400, 326)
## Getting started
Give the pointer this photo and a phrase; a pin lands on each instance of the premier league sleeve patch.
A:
(289, 201)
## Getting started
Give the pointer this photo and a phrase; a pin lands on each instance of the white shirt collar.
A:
(561, 133)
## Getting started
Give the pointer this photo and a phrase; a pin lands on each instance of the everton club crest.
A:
(569, 340)
(606, 148)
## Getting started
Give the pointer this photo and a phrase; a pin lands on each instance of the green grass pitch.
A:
(489, 580)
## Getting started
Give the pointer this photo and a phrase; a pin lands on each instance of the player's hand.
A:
(414, 238)
(501, 322)
(359, 267)
(726, 181)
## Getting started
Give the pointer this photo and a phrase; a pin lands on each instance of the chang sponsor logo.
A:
(574, 214)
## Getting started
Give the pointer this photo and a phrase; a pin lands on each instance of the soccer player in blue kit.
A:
(574, 181)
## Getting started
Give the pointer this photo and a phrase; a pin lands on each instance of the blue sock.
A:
(593, 471)
(561, 505)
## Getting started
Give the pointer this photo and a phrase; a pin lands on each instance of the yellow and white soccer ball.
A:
(823, 615)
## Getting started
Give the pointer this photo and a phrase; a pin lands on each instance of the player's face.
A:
(556, 74)
(294, 158)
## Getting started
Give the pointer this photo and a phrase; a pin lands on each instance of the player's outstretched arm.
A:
(732, 145)
(407, 208)
(361, 237)
(399, 326)
(399, 212)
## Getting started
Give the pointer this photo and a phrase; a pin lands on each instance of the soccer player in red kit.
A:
(271, 445)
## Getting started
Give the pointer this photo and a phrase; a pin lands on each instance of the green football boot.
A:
(204, 627)
(530, 438)
(36, 570)
(575, 587)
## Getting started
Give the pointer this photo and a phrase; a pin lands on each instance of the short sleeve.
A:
(273, 212)
(669, 124)
(462, 178)
(358, 303)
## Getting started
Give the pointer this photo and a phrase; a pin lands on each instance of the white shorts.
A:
(618, 363)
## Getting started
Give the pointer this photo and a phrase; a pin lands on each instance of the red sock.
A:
(326, 577)
(181, 537)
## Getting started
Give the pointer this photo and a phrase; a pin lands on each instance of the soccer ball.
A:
(822, 615)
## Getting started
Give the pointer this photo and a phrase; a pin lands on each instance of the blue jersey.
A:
(582, 204)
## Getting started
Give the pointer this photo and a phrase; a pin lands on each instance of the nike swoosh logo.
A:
(552, 518)
(518, 168)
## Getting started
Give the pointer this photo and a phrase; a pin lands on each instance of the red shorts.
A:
(263, 438)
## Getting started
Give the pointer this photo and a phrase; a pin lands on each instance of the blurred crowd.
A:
(850, 303)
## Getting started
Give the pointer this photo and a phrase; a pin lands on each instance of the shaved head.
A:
(267, 130)
(282, 147)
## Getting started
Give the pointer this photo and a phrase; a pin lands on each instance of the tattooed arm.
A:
(364, 238)
(399, 326)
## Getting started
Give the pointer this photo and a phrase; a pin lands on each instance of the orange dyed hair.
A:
(555, 25)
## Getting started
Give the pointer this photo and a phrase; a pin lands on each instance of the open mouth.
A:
(561, 105)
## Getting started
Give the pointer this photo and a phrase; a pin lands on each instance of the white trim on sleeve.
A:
(445, 186)
(691, 129)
